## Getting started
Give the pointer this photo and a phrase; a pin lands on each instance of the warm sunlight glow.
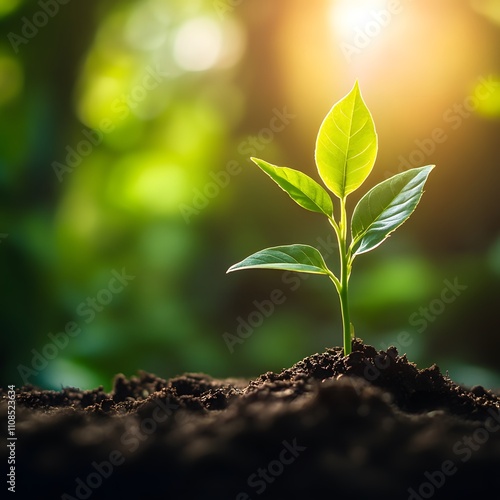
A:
(348, 16)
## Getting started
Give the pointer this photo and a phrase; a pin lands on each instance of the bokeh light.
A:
(11, 78)
(198, 45)
(9, 6)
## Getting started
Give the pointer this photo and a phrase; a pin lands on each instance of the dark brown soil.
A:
(366, 426)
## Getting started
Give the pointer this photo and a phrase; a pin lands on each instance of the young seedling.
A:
(346, 148)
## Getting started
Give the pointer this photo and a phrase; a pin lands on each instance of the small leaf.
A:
(300, 258)
(299, 186)
(346, 146)
(385, 207)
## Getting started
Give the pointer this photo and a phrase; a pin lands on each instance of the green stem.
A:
(344, 279)
(344, 304)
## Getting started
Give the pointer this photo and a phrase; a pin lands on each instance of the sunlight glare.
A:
(348, 15)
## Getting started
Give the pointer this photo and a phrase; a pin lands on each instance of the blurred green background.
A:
(126, 128)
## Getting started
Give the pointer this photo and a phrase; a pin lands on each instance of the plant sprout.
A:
(346, 149)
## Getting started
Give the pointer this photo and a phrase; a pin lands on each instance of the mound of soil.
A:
(366, 426)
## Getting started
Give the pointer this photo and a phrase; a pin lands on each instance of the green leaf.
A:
(385, 207)
(300, 258)
(346, 146)
(299, 186)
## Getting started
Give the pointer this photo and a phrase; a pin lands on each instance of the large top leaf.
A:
(302, 258)
(346, 146)
(385, 207)
(300, 187)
